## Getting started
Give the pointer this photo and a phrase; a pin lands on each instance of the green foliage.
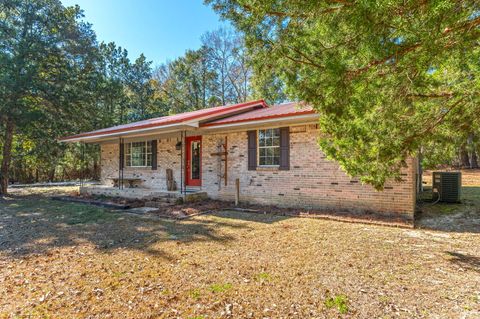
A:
(339, 301)
(386, 77)
(263, 276)
(56, 80)
(195, 293)
(219, 288)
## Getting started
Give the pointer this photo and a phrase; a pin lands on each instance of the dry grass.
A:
(44, 191)
(65, 260)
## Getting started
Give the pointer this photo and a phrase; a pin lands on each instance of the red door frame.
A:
(188, 157)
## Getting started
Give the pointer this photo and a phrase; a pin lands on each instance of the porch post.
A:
(82, 172)
(182, 160)
(121, 159)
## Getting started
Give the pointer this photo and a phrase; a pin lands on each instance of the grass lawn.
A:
(64, 260)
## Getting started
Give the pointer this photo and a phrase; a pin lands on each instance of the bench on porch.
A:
(130, 181)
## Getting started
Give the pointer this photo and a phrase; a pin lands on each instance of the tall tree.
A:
(386, 76)
(187, 83)
(227, 59)
(140, 89)
(47, 69)
(219, 72)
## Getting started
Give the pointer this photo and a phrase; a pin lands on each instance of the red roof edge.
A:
(217, 111)
(266, 117)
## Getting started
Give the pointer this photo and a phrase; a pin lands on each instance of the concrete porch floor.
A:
(141, 193)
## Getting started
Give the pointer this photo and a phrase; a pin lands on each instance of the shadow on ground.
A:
(463, 217)
(35, 225)
(465, 261)
(255, 217)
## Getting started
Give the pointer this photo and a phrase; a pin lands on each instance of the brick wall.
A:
(167, 157)
(312, 181)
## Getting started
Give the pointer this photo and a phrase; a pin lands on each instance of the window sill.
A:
(132, 168)
(267, 168)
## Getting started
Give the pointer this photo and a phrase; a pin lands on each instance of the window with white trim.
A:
(269, 147)
(138, 154)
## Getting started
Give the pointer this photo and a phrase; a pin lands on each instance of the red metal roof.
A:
(276, 111)
(172, 119)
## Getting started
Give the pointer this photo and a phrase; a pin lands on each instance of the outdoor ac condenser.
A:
(448, 185)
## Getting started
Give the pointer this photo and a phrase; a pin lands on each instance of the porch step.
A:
(193, 189)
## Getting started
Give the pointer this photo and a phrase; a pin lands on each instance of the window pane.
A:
(261, 135)
(138, 153)
(276, 141)
(269, 147)
(268, 142)
(195, 160)
(262, 161)
(138, 161)
(276, 160)
(276, 151)
(276, 132)
(262, 138)
(270, 152)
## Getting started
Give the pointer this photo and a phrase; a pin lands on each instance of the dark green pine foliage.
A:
(388, 78)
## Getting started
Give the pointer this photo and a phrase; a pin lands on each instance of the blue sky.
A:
(160, 29)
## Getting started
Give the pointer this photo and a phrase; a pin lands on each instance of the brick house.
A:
(271, 150)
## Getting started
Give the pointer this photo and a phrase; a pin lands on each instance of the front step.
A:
(193, 189)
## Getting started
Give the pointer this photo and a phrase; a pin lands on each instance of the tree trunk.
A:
(51, 175)
(464, 158)
(420, 172)
(7, 153)
(474, 160)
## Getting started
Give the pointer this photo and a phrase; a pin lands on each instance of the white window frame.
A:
(128, 153)
(265, 147)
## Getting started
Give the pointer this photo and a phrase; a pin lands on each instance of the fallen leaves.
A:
(227, 265)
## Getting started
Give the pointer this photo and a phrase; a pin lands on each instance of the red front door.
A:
(193, 151)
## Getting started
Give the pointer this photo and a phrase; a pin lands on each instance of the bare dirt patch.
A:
(67, 260)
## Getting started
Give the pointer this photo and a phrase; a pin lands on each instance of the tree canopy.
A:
(388, 78)
(57, 80)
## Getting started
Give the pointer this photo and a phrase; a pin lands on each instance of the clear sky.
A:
(160, 29)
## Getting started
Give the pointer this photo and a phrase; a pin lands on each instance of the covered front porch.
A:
(161, 166)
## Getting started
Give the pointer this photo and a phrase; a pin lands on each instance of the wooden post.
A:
(237, 191)
(226, 160)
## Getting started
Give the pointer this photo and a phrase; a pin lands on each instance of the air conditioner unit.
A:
(448, 185)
